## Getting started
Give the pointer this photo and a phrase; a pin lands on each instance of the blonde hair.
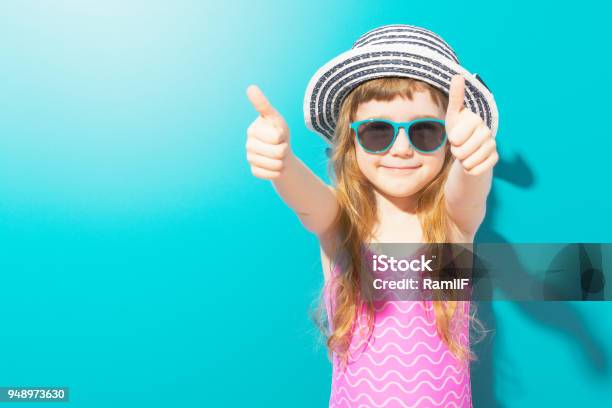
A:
(357, 216)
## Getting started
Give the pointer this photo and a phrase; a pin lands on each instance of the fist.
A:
(267, 145)
(472, 142)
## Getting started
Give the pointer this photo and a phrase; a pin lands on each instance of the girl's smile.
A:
(400, 169)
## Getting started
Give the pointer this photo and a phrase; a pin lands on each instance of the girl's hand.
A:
(267, 143)
(472, 142)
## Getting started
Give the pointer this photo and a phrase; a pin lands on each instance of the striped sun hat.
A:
(396, 50)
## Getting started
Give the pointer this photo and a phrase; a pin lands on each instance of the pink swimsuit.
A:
(405, 363)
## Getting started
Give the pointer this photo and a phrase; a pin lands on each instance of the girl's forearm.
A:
(465, 190)
(466, 197)
(312, 200)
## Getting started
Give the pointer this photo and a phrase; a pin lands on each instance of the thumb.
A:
(261, 104)
(455, 96)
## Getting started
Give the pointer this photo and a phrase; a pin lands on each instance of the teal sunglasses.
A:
(426, 135)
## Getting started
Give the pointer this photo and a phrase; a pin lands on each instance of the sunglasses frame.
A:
(396, 128)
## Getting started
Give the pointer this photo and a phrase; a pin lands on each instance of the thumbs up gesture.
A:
(267, 143)
(472, 142)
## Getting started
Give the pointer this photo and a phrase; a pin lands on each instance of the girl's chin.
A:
(398, 191)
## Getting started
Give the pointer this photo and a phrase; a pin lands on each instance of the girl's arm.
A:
(313, 201)
(466, 197)
(475, 151)
(270, 156)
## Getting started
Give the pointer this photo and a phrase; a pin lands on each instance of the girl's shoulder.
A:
(330, 248)
(329, 242)
(456, 235)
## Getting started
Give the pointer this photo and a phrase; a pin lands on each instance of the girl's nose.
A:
(401, 145)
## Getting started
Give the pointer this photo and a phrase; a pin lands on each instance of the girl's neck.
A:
(397, 220)
(394, 207)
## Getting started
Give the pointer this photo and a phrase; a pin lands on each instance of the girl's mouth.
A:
(400, 169)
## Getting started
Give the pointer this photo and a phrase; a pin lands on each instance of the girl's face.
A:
(401, 171)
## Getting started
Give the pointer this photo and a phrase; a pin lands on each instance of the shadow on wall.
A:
(559, 316)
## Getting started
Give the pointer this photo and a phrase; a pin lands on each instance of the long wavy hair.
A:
(357, 217)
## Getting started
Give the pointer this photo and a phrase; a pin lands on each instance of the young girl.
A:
(412, 137)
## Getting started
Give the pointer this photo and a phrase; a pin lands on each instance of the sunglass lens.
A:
(375, 136)
(427, 136)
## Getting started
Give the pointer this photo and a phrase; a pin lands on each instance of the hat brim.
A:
(330, 85)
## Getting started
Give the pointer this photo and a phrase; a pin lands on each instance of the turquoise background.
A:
(143, 265)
